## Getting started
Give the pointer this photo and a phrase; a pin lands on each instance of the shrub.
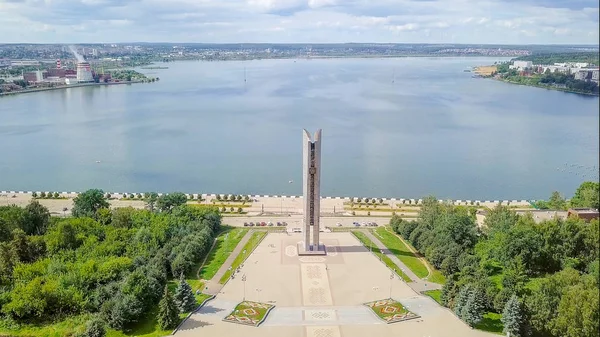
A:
(95, 328)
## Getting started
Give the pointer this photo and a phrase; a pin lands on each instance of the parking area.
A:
(297, 222)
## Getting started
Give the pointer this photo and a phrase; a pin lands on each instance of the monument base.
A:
(320, 251)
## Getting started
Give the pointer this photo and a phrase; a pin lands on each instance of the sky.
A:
(300, 21)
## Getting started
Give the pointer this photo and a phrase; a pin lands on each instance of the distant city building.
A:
(4, 63)
(84, 72)
(95, 52)
(521, 65)
(20, 63)
(586, 214)
(58, 64)
(555, 68)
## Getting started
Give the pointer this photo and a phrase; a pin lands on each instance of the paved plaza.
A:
(320, 296)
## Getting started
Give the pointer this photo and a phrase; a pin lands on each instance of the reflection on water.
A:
(395, 127)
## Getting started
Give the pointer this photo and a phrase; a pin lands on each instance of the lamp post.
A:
(258, 294)
(391, 279)
(244, 280)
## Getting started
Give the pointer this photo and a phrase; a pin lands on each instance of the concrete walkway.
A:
(417, 284)
(213, 286)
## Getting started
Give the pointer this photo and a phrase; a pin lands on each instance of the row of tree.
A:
(232, 197)
(543, 277)
(114, 264)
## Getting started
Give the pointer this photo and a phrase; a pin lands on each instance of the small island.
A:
(570, 72)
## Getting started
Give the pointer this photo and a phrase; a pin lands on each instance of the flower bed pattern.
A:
(391, 311)
(249, 313)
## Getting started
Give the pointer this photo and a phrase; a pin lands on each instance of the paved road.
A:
(417, 284)
(213, 286)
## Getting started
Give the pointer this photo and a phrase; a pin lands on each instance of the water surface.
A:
(392, 127)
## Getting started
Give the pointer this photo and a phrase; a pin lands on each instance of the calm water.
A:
(201, 129)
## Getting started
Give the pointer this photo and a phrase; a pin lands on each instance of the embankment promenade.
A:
(262, 204)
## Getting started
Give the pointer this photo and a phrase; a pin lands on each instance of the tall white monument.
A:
(311, 174)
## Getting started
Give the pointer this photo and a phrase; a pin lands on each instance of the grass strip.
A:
(372, 247)
(255, 239)
(401, 251)
(435, 294)
(226, 243)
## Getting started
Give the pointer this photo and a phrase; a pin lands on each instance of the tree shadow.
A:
(193, 324)
(208, 309)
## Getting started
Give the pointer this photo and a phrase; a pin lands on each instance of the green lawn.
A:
(255, 239)
(221, 252)
(491, 322)
(410, 259)
(398, 248)
(388, 262)
(435, 294)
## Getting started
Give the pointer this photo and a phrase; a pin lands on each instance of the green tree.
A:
(167, 202)
(184, 297)
(123, 217)
(557, 202)
(239, 210)
(88, 203)
(36, 218)
(461, 299)
(95, 328)
(56, 195)
(42, 195)
(168, 316)
(473, 310)
(104, 216)
(578, 311)
(150, 199)
(34, 195)
(587, 195)
(512, 317)
(541, 305)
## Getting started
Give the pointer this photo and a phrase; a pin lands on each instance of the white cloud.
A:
(434, 21)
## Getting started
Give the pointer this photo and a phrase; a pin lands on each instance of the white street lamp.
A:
(244, 280)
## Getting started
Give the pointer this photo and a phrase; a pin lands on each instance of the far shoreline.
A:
(79, 85)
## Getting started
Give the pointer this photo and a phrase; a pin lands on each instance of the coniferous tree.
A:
(473, 310)
(461, 299)
(448, 291)
(512, 317)
(168, 315)
(184, 297)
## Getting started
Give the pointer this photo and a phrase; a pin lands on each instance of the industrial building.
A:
(84, 72)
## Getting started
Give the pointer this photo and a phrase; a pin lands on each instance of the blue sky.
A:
(311, 21)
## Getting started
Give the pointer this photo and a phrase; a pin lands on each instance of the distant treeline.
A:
(551, 58)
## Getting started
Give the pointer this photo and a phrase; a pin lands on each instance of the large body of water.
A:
(402, 128)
